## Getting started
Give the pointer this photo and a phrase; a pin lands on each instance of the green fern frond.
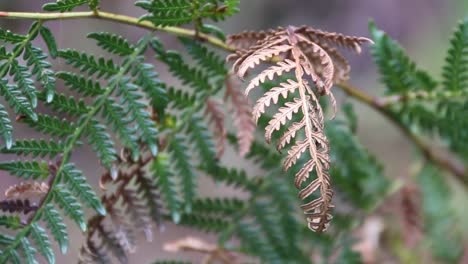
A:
(26, 169)
(65, 104)
(160, 169)
(155, 90)
(10, 222)
(398, 72)
(6, 129)
(64, 5)
(204, 223)
(51, 125)
(180, 99)
(55, 224)
(71, 207)
(112, 43)
(41, 68)
(29, 252)
(455, 71)
(49, 40)
(201, 137)
(218, 206)
(253, 242)
(101, 143)
(183, 167)
(145, 126)
(35, 148)
(231, 176)
(16, 100)
(88, 63)
(40, 238)
(76, 82)
(115, 116)
(78, 185)
(8, 36)
(211, 62)
(168, 12)
(22, 78)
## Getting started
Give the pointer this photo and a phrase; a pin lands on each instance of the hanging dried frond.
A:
(241, 110)
(216, 116)
(27, 190)
(17, 206)
(309, 54)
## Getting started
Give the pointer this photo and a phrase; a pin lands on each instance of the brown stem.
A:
(442, 161)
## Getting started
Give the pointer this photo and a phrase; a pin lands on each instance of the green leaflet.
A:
(71, 207)
(112, 43)
(41, 239)
(55, 224)
(35, 148)
(26, 169)
(63, 5)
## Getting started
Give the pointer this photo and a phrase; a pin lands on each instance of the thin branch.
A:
(120, 19)
(444, 162)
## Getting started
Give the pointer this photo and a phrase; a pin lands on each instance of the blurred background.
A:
(421, 26)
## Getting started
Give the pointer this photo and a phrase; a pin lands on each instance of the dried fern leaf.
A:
(312, 57)
(216, 117)
(27, 190)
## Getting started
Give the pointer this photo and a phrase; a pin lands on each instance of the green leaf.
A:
(8, 36)
(145, 126)
(112, 43)
(76, 82)
(167, 13)
(78, 184)
(202, 142)
(211, 62)
(49, 40)
(41, 68)
(455, 70)
(88, 63)
(29, 251)
(26, 169)
(204, 223)
(183, 167)
(41, 239)
(165, 181)
(55, 224)
(218, 206)
(16, 100)
(6, 129)
(147, 78)
(439, 218)
(396, 69)
(35, 148)
(65, 200)
(63, 5)
(65, 104)
(101, 143)
(254, 243)
(23, 80)
(51, 125)
(10, 222)
(116, 117)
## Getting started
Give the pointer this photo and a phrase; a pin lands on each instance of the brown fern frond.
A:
(137, 210)
(214, 111)
(241, 110)
(312, 56)
(17, 206)
(91, 253)
(27, 190)
(246, 39)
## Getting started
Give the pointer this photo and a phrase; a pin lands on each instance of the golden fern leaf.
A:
(241, 111)
(310, 54)
(216, 116)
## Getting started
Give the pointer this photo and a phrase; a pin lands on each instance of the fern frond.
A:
(115, 116)
(155, 90)
(252, 241)
(289, 43)
(42, 69)
(101, 143)
(216, 117)
(137, 210)
(180, 99)
(10, 222)
(29, 252)
(112, 243)
(6, 129)
(49, 40)
(211, 62)
(203, 145)
(167, 13)
(86, 87)
(204, 223)
(16, 100)
(41, 239)
(51, 125)
(112, 43)
(218, 206)
(66, 104)
(165, 181)
(145, 126)
(22, 78)
(88, 63)
(8, 36)
(71, 207)
(399, 73)
(27, 190)
(456, 64)
(150, 192)
(35, 148)
(184, 169)
(78, 185)
(26, 169)
(64, 5)
(55, 224)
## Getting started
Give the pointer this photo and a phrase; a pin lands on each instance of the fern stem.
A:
(380, 106)
(70, 144)
(120, 19)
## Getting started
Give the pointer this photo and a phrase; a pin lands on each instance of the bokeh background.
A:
(421, 26)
